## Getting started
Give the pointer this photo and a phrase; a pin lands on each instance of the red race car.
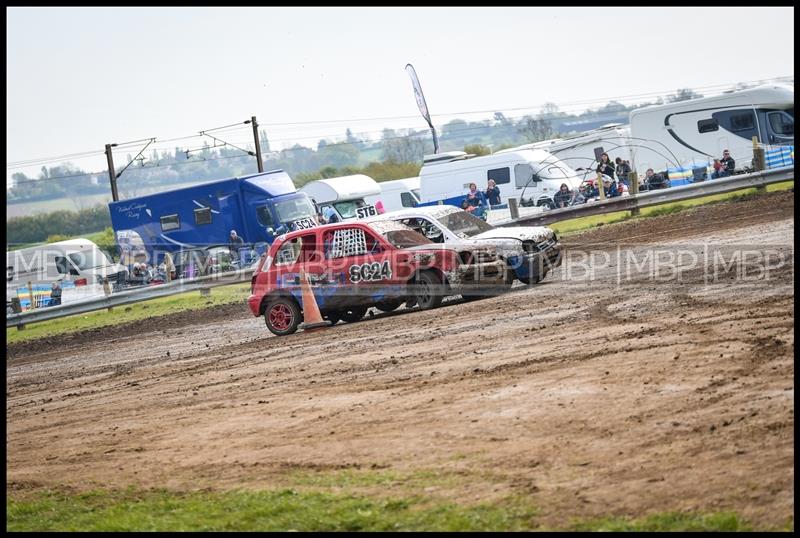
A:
(355, 265)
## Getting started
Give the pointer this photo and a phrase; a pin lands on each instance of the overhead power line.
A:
(235, 126)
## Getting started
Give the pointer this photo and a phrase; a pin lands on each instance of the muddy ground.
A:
(604, 390)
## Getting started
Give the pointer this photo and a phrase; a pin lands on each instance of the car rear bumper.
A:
(254, 303)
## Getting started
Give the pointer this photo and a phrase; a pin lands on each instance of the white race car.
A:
(530, 251)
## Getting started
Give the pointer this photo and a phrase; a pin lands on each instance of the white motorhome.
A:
(397, 194)
(343, 198)
(685, 135)
(78, 265)
(531, 176)
(695, 132)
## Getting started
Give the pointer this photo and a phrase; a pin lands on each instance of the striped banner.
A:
(780, 156)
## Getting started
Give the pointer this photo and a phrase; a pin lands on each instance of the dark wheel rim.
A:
(280, 317)
(425, 292)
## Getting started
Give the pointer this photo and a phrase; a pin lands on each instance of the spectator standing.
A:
(606, 167)
(55, 294)
(493, 193)
(235, 243)
(169, 267)
(623, 169)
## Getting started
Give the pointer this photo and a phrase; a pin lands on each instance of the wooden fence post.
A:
(513, 208)
(759, 161)
(634, 178)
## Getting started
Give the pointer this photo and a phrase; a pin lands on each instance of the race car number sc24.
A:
(304, 224)
(366, 211)
(367, 272)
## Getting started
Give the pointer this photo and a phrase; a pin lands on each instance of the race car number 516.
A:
(366, 211)
(304, 224)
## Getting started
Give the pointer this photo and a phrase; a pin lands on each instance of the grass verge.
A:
(289, 509)
(235, 293)
(281, 510)
(567, 227)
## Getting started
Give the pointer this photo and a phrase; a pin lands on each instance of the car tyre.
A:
(428, 290)
(282, 316)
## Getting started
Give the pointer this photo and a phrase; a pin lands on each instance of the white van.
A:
(532, 176)
(397, 194)
(343, 198)
(78, 265)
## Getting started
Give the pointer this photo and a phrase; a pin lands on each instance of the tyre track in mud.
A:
(592, 398)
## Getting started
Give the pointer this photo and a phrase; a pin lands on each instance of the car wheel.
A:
(389, 305)
(282, 316)
(428, 290)
(353, 314)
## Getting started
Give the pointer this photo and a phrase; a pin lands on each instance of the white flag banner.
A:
(423, 106)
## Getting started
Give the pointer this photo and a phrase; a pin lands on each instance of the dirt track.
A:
(622, 395)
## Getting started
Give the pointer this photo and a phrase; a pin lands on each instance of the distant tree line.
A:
(38, 228)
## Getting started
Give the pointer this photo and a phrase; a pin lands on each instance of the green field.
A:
(566, 227)
(299, 510)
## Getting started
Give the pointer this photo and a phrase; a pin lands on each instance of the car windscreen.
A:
(406, 238)
(295, 209)
(347, 209)
(464, 224)
(88, 259)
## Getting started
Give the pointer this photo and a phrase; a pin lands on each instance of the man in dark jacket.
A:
(728, 164)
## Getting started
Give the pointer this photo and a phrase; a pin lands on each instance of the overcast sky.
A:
(78, 78)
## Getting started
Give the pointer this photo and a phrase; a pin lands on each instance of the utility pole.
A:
(112, 174)
(258, 144)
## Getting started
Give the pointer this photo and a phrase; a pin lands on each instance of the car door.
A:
(361, 263)
(297, 257)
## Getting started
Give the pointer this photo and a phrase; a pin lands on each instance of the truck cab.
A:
(345, 198)
(258, 207)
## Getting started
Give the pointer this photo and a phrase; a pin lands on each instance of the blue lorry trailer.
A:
(259, 207)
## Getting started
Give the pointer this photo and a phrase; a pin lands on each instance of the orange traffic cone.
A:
(312, 319)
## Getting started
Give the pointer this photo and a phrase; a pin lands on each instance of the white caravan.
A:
(78, 265)
(685, 135)
(531, 176)
(343, 198)
(695, 132)
(397, 194)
